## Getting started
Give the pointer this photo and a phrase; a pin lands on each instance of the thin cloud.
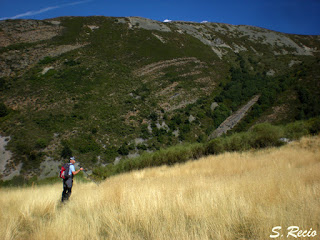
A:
(32, 13)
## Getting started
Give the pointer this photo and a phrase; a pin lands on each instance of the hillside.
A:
(230, 196)
(102, 88)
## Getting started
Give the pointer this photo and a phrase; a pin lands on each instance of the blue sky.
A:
(289, 16)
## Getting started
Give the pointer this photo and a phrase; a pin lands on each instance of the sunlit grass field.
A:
(229, 196)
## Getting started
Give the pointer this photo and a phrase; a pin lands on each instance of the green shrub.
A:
(238, 142)
(142, 146)
(66, 152)
(85, 144)
(266, 135)
(32, 160)
(41, 143)
(104, 172)
(197, 150)
(46, 60)
(3, 110)
(175, 155)
(153, 116)
(71, 63)
(111, 153)
(314, 125)
(296, 130)
(215, 146)
(23, 147)
(2, 84)
(17, 181)
(123, 150)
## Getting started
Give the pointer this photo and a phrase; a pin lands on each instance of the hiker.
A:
(67, 182)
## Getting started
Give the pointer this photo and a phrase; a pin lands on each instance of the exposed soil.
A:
(232, 120)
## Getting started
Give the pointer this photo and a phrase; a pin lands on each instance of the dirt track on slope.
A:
(232, 120)
(157, 66)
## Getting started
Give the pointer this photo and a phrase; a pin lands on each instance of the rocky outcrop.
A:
(148, 24)
(7, 168)
(13, 62)
(33, 32)
(27, 31)
(156, 67)
(209, 34)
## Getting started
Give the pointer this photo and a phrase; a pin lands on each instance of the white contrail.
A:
(32, 13)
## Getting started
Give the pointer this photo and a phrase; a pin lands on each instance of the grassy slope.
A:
(229, 196)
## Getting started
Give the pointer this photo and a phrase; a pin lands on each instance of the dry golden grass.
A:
(230, 196)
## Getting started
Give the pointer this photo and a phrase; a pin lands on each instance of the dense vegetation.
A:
(92, 103)
(260, 136)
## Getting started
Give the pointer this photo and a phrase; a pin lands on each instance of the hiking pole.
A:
(90, 177)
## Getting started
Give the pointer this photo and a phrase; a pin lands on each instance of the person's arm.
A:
(73, 170)
(76, 172)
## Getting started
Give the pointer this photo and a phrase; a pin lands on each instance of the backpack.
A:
(64, 171)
